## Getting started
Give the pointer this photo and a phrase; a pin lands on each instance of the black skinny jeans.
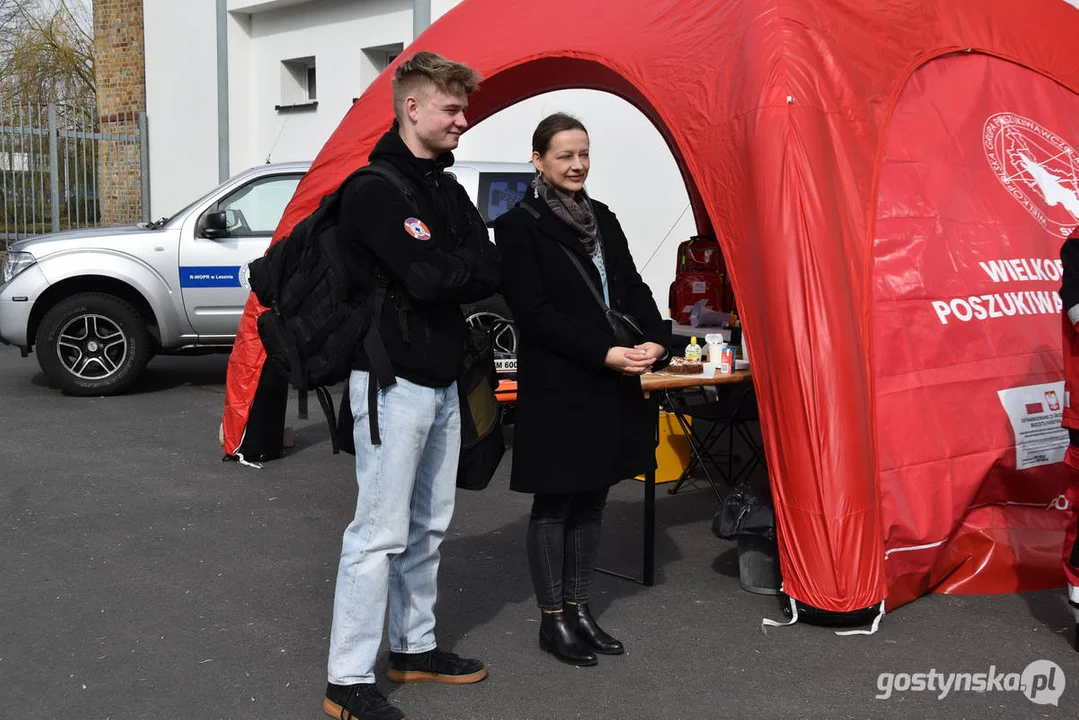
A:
(563, 539)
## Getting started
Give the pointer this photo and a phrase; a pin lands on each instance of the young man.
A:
(434, 251)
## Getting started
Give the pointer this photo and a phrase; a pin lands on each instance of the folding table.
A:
(661, 382)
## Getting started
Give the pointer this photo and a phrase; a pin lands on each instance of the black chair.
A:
(729, 411)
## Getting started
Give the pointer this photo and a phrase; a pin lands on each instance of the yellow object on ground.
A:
(672, 454)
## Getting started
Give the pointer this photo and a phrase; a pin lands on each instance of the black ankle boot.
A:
(556, 638)
(584, 626)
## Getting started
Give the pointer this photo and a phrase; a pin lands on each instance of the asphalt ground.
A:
(141, 577)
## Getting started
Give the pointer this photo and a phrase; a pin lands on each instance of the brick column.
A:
(120, 66)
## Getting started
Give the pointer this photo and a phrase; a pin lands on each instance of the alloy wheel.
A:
(91, 347)
(502, 331)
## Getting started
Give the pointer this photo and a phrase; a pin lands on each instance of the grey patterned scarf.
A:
(574, 211)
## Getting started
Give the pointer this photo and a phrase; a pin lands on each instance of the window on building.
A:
(382, 55)
(298, 82)
(376, 59)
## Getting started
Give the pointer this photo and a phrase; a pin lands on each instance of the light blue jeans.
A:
(405, 502)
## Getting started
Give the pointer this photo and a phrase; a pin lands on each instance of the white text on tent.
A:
(999, 305)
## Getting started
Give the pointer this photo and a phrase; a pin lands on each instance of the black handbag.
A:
(625, 328)
(627, 331)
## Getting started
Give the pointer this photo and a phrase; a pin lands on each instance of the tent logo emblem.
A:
(1037, 168)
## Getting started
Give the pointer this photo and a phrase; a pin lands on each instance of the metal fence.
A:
(64, 168)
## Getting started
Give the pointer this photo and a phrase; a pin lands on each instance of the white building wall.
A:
(181, 101)
(335, 33)
(632, 170)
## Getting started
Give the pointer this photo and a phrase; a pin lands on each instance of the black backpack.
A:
(317, 315)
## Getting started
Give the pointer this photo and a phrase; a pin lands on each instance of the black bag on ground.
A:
(747, 510)
(482, 442)
(317, 314)
(747, 516)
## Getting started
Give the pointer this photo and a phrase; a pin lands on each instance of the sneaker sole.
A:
(407, 676)
(336, 711)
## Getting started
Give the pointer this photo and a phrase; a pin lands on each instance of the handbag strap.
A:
(576, 263)
(584, 274)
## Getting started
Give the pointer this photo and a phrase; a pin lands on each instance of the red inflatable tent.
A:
(890, 184)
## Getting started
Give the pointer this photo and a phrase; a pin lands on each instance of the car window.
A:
(256, 208)
(500, 191)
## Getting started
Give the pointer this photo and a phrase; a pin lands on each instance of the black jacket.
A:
(579, 425)
(436, 256)
(1069, 287)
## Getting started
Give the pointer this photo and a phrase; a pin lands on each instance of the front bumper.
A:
(17, 299)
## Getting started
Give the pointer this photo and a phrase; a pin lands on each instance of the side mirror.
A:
(214, 224)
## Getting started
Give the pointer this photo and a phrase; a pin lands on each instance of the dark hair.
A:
(551, 126)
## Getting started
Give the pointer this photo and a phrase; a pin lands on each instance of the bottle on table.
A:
(693, 351)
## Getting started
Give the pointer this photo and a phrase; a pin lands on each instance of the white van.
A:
(494, 187)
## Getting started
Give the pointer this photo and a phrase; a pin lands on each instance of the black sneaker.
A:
(358, 702)
(435, 666)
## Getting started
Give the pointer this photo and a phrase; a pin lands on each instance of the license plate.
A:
(506, 365)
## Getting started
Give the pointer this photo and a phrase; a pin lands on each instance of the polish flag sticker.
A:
(416, 228)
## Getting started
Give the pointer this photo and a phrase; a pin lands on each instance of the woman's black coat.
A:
(580, 426)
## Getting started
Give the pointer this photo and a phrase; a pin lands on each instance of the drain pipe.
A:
(223, 170)
(421, 16)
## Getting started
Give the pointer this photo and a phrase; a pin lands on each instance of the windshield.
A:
(162, 222)
(183, 211)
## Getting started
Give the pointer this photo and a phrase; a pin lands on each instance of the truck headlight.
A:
(13, 264)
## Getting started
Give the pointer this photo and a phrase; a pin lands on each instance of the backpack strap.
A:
(326, 402)
(391, 177)
(381, 373)
(403, 187)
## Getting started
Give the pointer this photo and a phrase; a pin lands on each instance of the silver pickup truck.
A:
(95, 305)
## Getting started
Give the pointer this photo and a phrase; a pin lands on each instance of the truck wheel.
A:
(93, 344)
(494, 305)
(493, 314)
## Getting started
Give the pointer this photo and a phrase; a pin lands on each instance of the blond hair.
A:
(428, 68)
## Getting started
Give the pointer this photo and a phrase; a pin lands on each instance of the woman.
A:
(582, 422)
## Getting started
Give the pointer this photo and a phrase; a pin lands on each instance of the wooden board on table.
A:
(652, 382)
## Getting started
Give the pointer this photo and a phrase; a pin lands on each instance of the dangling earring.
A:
(535, 193)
